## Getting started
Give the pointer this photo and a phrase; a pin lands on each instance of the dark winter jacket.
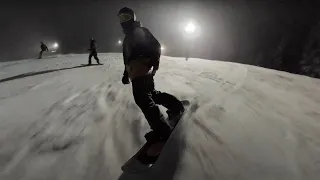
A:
(93, 46)
(44, 47)
(141, 51)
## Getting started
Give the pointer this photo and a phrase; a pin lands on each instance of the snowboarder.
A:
(93, 51)
(43, 49)
(141, 55)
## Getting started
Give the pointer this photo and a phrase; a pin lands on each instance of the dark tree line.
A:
(293, 46)
(293, 50)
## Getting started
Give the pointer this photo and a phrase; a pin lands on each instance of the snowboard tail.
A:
(92, 64)
(149, 153)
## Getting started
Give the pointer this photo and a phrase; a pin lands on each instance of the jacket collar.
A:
(136, 24)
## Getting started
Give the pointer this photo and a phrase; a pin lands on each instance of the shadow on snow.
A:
(38, 73)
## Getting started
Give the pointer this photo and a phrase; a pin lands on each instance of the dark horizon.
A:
(238, 31)
(73, 23)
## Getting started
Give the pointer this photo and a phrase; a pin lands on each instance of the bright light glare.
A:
(55, 45)
(162, 48)
(190, 28)
(119, 42)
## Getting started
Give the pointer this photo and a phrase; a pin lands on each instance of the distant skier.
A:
(141, 55)
(43, 49)
(93, 51)
(187, 55)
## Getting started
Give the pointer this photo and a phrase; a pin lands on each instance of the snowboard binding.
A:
(155, 144)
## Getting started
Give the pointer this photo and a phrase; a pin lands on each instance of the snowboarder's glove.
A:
(125, 78)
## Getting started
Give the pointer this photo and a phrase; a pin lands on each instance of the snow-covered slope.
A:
(60, 121)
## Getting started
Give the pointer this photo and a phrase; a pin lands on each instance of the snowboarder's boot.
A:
(173, 117)
(152, 137)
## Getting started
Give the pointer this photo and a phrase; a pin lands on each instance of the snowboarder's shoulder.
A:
(140, 32)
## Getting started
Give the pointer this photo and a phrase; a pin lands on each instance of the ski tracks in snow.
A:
(88, 135)
(234, 128)
(218, 88)
(96, 130)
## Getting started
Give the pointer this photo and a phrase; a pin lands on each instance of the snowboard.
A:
(134, 165)
(91, 65)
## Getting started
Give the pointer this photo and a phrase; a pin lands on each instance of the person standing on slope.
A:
(93, 51)
(141, 55)
(43, 49)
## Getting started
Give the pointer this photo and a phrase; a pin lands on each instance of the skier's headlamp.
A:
(124, 17)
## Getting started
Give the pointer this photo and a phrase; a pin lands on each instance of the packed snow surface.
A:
(63, 121)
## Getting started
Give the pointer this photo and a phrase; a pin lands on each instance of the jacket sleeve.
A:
(125, 73)
(94, 46)
(125, 58)
(155, 50)
(145, 44)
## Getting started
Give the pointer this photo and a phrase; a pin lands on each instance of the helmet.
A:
(127, 18)
(126, 14)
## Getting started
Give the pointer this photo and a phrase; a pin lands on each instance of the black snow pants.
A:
(40, 54)
(95, 55)
(147, 98)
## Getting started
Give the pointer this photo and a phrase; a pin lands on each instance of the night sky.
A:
(226, 30)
